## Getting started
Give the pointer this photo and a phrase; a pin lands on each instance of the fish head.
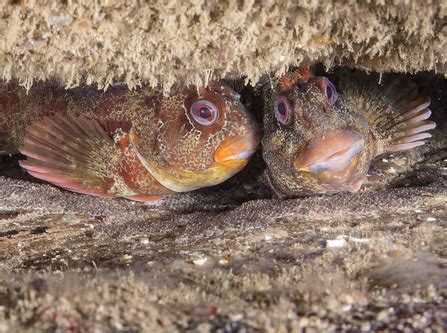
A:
(204, 136)
(314, 139)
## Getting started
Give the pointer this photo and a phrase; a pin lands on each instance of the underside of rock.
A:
(173, 42)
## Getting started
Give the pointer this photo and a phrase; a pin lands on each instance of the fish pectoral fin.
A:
(396, 112)
(74, 153)
(408, 127)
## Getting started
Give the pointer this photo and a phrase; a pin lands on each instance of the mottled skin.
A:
(327, 142)
(153, 144)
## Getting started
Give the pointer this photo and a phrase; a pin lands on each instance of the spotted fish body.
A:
(136, 144)
(317, 141)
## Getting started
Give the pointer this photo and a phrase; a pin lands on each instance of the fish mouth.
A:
(333, 151)
(237, 148)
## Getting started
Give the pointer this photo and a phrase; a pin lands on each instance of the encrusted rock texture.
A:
(169, 42)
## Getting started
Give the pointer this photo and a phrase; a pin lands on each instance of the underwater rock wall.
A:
(83, 42)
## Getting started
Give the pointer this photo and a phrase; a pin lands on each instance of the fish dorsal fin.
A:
(76, 153)
(395, 111)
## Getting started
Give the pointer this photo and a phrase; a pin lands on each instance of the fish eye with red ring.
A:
(327, 88)
(204, 112)
(282, 110)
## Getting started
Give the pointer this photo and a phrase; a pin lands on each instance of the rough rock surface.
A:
(192, 41)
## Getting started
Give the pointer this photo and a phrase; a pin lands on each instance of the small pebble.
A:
(200, 261)
(237, 317)
(347, 308)
(303, 322)
(336, 242)
(384, 315)
(127, 257)
(223, 262)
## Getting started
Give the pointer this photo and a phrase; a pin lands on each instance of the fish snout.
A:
(333, 152)
(240, 147)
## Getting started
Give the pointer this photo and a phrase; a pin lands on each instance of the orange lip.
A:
(332, 151)
(236, 148)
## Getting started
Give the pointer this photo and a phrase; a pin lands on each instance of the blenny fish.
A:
(136, 144)
(318, 141)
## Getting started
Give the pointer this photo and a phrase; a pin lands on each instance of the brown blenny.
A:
(136, 144)
(317, 141)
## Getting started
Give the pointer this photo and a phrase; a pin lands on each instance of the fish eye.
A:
(328, 89)
(282, 110)
(204, 112)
